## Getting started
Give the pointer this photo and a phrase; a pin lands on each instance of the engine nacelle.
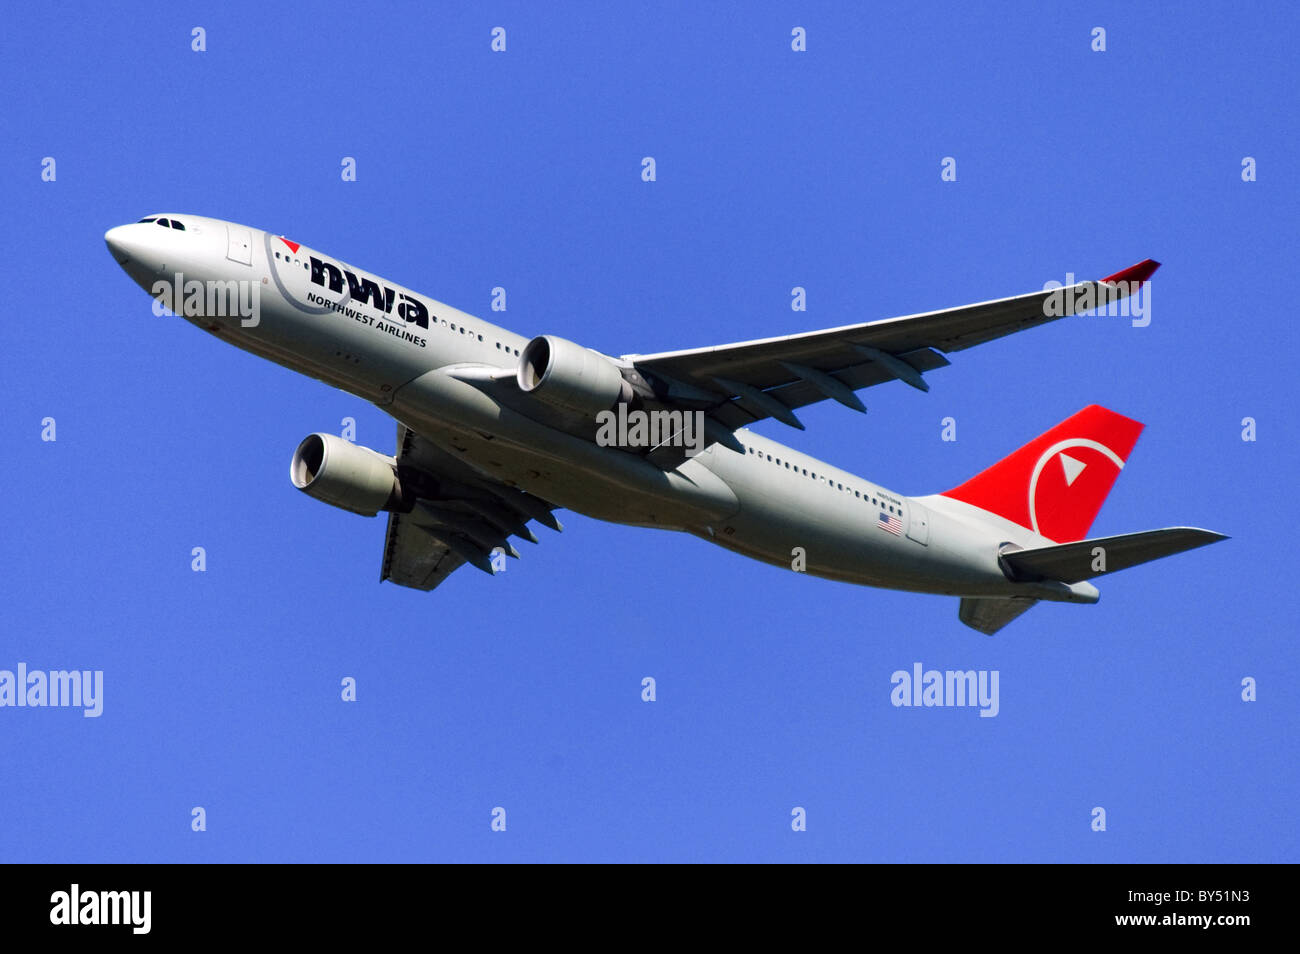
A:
(570, 376)
(345, 475)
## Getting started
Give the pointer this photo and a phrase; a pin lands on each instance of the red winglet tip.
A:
(1138, 273)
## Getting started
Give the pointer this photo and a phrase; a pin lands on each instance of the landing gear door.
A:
(918, 524)
(239, 245)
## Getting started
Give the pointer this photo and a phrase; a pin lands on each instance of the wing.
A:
(459, 516)
(738, 384)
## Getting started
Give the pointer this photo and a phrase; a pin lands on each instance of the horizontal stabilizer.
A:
(1072, 562)
(988, 615)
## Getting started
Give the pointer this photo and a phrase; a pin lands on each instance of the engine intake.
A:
(345, 475)
(569, 376)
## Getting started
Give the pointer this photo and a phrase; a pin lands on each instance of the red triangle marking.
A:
(293, 246)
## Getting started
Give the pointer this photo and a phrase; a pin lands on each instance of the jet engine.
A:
(570, 376)
(346, 475)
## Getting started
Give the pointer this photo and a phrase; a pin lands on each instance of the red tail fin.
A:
(1056, 484)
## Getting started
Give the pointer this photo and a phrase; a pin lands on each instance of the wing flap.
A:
(414, 559)
(459, 517)
(797, 392)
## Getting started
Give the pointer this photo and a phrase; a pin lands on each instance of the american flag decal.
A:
(890, 524)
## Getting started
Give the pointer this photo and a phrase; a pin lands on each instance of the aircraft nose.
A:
(140, 250)
(119, 243)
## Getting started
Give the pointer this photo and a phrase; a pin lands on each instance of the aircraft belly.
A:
(602, 482)
(841, 539)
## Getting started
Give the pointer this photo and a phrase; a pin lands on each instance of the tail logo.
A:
(1071, 467)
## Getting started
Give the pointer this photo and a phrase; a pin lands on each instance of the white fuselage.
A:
(771, 502)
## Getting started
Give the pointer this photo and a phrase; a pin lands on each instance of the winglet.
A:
(1138, 273)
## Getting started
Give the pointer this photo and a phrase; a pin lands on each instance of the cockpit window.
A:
(142, 221)
(163, 223)
(178, 225)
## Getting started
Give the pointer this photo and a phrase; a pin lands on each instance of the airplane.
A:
(495, 430)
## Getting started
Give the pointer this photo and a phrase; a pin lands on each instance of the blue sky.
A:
(774, 169)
